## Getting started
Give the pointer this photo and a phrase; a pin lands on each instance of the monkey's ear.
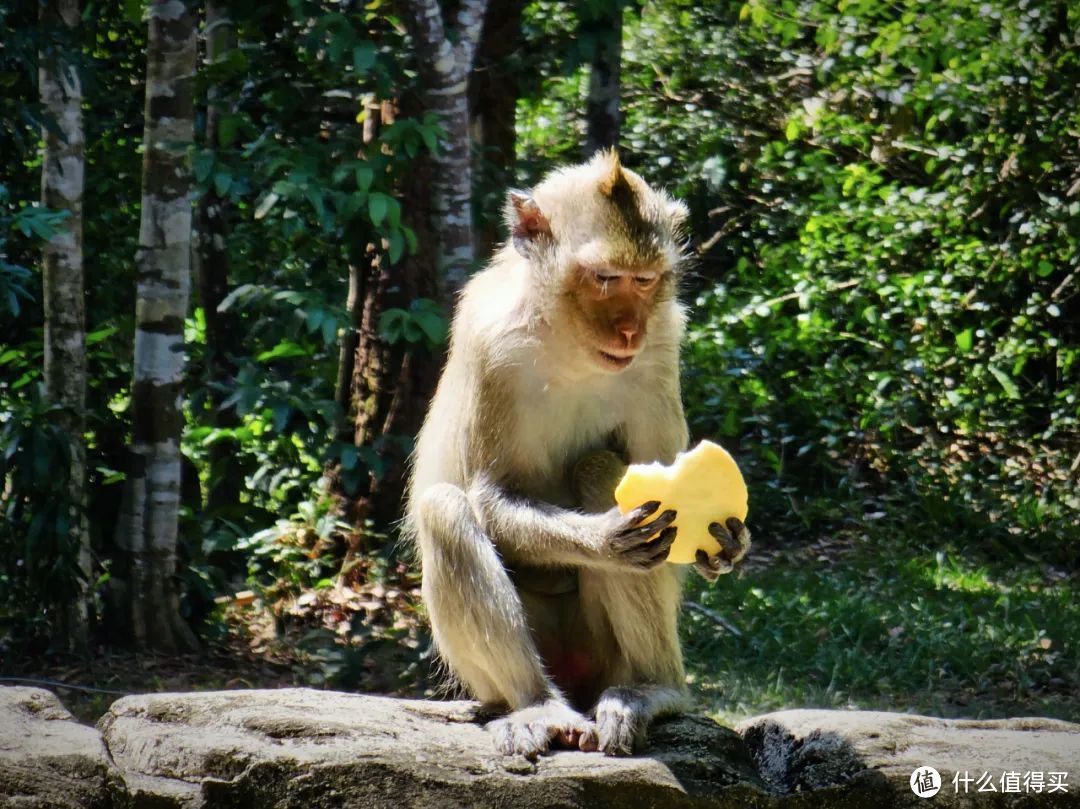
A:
(527, 223)
(613, 178)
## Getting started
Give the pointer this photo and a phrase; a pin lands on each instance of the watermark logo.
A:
(926, 782)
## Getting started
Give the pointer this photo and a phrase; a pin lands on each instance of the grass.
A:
(873, 624)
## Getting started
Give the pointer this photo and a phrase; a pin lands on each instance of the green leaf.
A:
(204, 165)
(228, 126)
(1044, 269)
(392, 324)
(428, 134)
(281, 417)
(432, 325)
(397, 246)
(329, 330)
(364, 57)
(349, 456)
(1007, 384)
(133, 10)
(364, 176)
(283, 350)
(965, 339)
(222, 181)
(393, 213)
(378, 206)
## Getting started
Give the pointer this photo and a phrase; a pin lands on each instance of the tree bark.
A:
(213, 281)
(62, 180)
(385, 388)
(445, 61)
(603, 117)
(493, 95)
(163, 269)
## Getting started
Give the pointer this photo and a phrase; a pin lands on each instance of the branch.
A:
(715, 617)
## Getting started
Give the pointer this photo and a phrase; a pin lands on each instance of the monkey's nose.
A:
(628, 332)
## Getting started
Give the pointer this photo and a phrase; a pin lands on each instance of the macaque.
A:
(546, 602)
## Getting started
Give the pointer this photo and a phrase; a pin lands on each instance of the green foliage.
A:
(423, 322)
(33, 223)
(39, 556)
(885, 293)
(296, 554)
(308, 197)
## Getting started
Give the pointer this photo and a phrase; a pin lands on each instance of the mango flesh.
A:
(704, 486)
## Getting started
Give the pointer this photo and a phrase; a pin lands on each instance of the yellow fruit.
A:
(704, 486)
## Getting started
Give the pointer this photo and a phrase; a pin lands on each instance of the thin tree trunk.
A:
(213, 279)
(163, 266)
(62, 172)
(603, 117)
(445, 61)
(493, 95)
(384, 388)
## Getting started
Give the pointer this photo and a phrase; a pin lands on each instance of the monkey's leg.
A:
(481, 629)
(646, 678)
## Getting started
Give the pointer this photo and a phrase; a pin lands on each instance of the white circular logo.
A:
(926, 782)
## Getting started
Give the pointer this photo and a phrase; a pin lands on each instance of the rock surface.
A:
(873, 755)
(305, 748)
(312, 749)
(47, 759)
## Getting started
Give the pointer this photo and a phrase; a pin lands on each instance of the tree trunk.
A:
(493, 95)
(163, 267)
(62, 172)
(445, 63)
(385, 388)
(213, 279)
(603, 22)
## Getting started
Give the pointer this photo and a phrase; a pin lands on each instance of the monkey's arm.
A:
(535, 533)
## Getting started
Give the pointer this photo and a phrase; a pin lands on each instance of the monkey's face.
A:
(602, 247)
(611, 310)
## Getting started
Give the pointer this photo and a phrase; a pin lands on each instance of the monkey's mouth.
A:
(615, 362)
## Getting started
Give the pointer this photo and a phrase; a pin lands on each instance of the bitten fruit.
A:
(704, 486)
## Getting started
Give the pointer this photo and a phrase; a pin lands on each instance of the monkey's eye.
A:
(645, 281)
(606, 278)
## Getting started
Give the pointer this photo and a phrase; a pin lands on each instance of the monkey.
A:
(546, 602)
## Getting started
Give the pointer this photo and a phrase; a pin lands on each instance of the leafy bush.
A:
(885, 290)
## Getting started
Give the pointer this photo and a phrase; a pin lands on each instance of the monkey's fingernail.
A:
(735, 526)
(668, 515)
(649, 507)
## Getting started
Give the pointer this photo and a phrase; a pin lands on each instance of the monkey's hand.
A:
(734, 542)
(627, 539)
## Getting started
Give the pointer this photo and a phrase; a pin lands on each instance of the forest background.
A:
(201, 490)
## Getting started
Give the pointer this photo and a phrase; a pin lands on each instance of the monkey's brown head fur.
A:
(603, 250)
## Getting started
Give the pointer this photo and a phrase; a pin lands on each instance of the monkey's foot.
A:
(534, 730)
(621, 721)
